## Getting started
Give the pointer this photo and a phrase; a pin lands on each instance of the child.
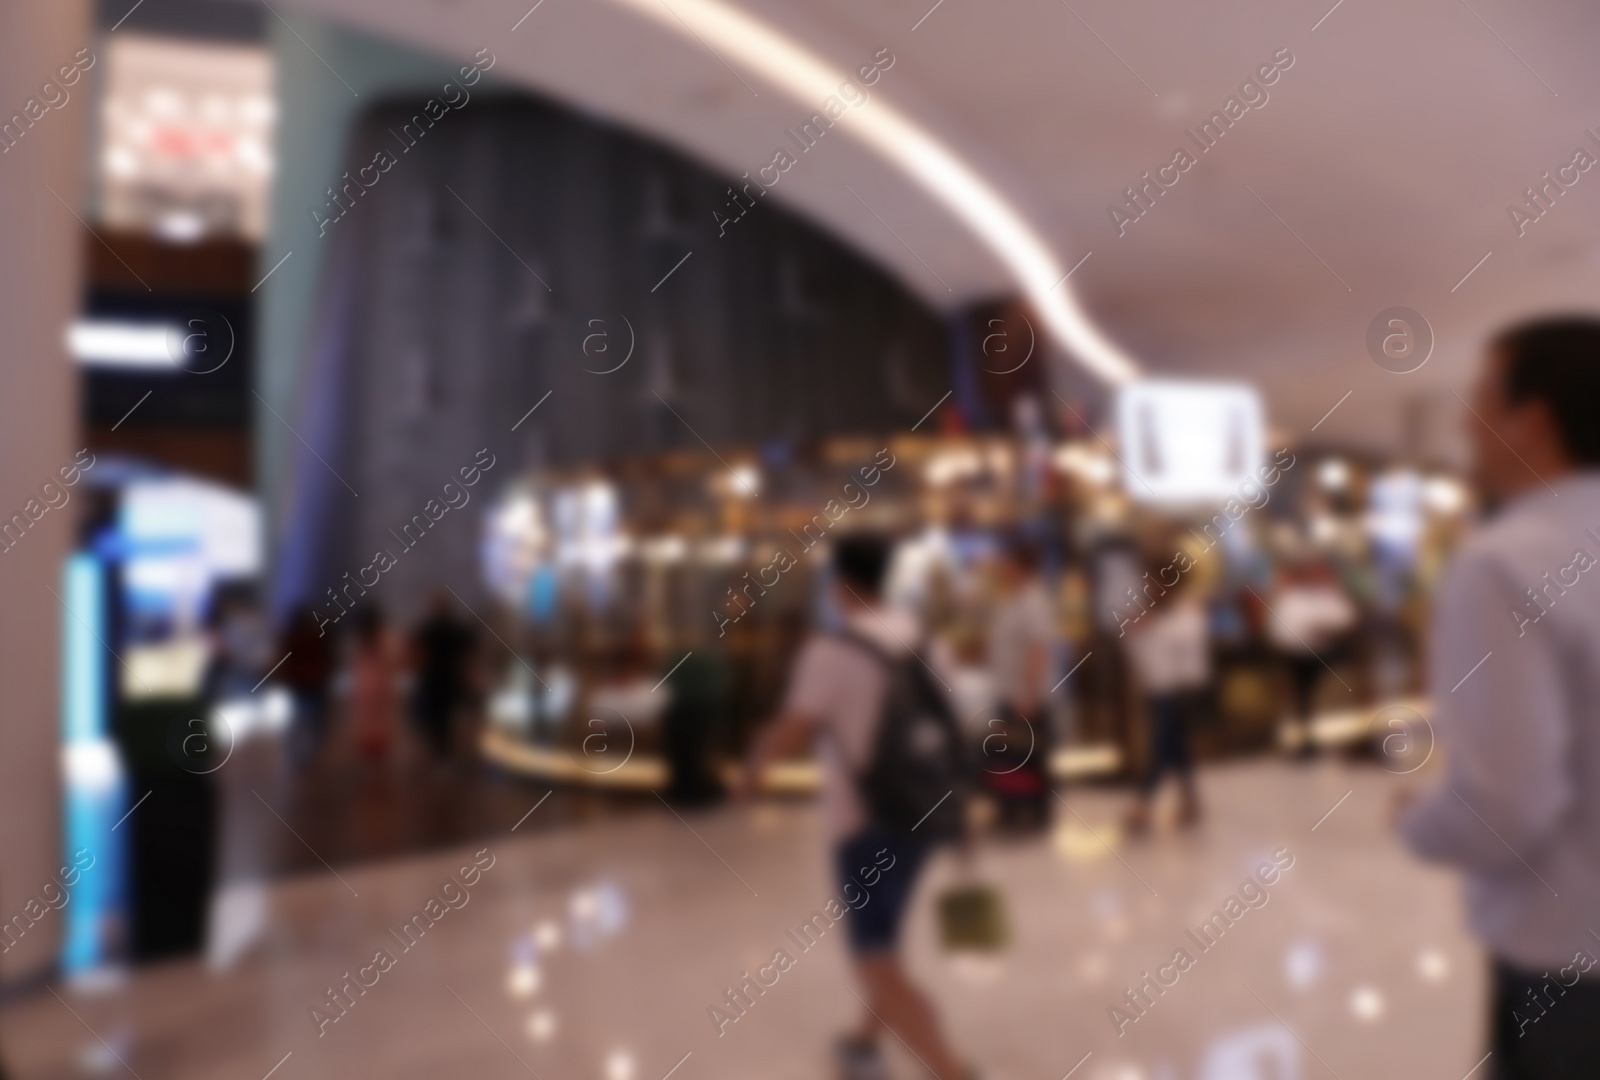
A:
(374, 669)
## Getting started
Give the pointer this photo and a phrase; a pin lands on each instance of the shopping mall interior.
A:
(548, 548)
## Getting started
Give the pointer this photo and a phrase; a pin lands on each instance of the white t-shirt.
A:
(1024, 622)
(1305, 617)
(840, 687)
(1170, 653)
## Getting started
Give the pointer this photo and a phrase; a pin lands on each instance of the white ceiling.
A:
(1392, 149)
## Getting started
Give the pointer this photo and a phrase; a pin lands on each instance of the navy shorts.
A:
(877, 874)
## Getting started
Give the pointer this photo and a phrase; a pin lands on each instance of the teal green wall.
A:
(315, 110)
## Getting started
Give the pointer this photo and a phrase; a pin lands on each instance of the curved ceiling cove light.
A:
(922, 156)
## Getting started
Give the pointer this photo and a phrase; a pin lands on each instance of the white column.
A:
(41, 259)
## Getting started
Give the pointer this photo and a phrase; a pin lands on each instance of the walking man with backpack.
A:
(874, 698)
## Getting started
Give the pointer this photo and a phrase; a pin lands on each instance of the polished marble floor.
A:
(593, 950)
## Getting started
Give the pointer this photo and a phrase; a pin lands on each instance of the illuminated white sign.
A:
(186, 138)
(1188, 441)
(114, 343)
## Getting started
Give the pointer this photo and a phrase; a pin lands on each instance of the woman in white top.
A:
(1170, 649)
(1022, 637)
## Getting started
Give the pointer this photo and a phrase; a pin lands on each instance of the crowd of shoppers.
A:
(374, 676)
(1517, 810)
(871, 692)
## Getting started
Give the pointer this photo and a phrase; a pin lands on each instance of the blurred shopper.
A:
(888, 739)
(1515, 684)
(440, 649)
(1022, 641)
(239, 640)
(1170, 650)
(692, 725)
(1309, 618)
(374, 677)
(307, 670)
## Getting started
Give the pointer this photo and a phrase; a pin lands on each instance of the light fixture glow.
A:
(1333, 474)
(809, 79)
(113, 343)
(1443, 495)
(541, 1025)
(90, 764)
(1366, 1003)
(523, 981)
(547, 935)
(1433, 965)
(619, 1065)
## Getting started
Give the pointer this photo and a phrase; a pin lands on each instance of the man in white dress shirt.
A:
(1515, 685)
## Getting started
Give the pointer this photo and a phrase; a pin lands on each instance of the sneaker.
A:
(859, 1059)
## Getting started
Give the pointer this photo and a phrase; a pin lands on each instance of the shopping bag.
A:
(973, 916)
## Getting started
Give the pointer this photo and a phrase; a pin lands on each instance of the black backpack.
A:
(916, 780)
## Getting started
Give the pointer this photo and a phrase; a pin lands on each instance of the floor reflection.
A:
(596, 948)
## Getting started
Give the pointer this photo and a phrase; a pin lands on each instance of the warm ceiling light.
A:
(809, 79)
(118, 343)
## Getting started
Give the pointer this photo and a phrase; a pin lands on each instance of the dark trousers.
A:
(433, 708)
(1170, 717)
(1305, 675)
(310, 720)
(1542, 1029)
